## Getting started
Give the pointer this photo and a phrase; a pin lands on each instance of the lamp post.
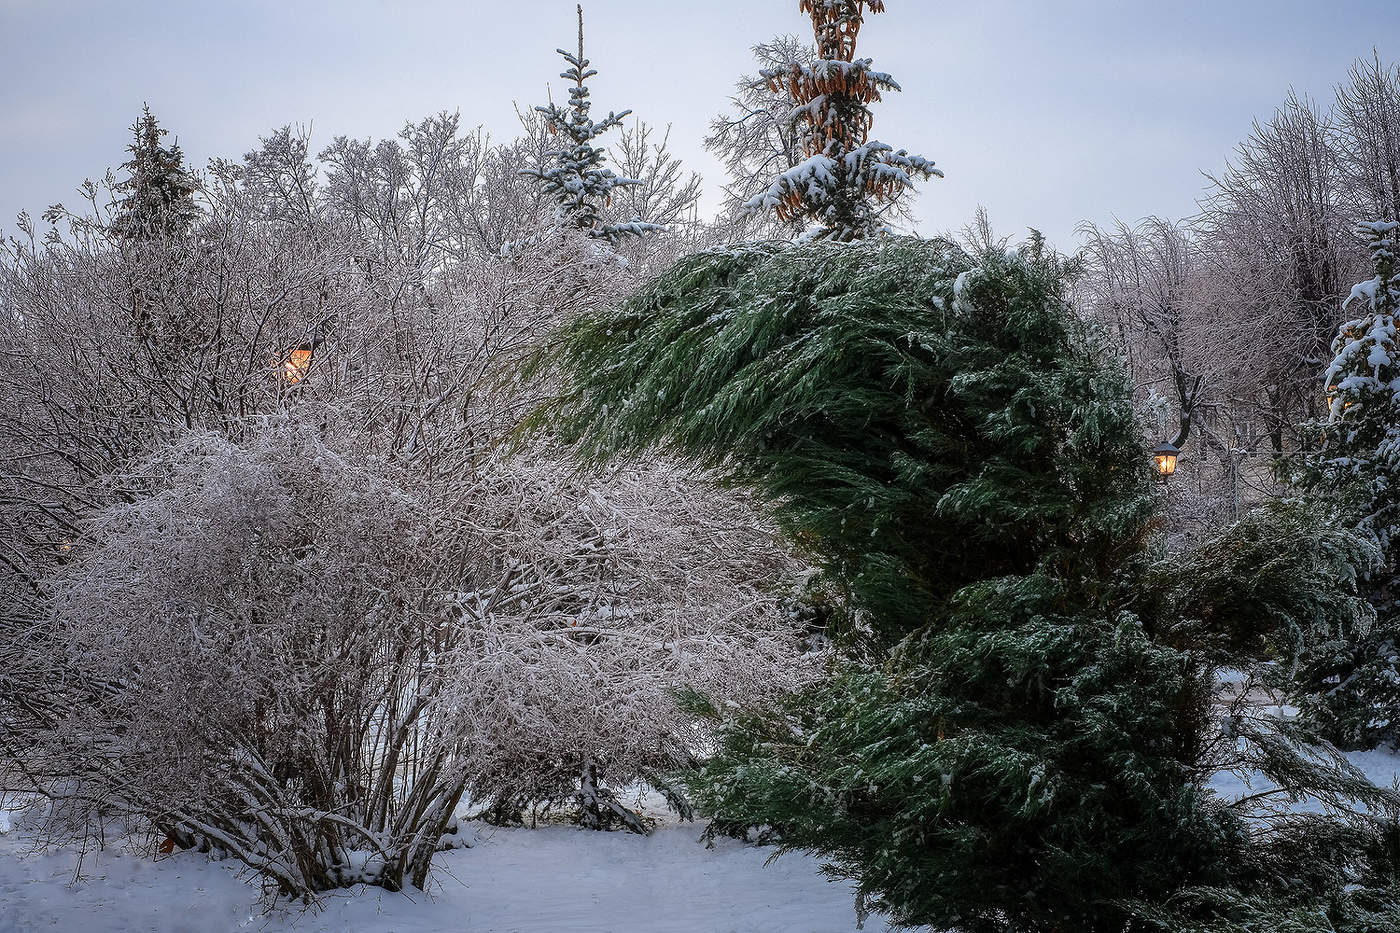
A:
(297, 364)
(1164, 457)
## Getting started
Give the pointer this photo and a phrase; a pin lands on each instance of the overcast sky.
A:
(1048, 113)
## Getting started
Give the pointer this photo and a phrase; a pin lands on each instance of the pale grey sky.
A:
(1048, 113)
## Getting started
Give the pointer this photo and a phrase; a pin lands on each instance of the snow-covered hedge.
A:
(254, 637)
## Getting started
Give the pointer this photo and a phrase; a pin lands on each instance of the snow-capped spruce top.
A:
(579, 180)
(847, 180)
(157, 198)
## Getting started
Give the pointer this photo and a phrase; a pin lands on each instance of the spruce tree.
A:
(1361, 440)
(1004, 743)
(157, 197)
(847, 180)
(1351, 675)
(579, 179)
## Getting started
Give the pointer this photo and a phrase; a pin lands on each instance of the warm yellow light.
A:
(1164, 459)
(298, 364)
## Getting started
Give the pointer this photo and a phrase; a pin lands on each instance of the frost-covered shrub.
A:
(594, 598)
(252, 639)
(300, 656)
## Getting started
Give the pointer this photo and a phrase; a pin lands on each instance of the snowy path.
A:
(550, 880)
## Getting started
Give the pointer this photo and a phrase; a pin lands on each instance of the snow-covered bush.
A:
(299, 656)
(594, 598)
(253, 640)
(293, 618)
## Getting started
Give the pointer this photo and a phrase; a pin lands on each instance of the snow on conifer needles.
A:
(847, 181)
(1349, 673)
(578, 179)
(1367, 363)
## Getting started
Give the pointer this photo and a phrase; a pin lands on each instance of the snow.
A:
(1381, 767)
(816, 179)
(1231, 676)
(547, 880)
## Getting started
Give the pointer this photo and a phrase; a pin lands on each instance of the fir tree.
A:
(157, 196)
(847, 180)
(1005, 745)
(1361, 439)
(578, 178)
(1351, 674)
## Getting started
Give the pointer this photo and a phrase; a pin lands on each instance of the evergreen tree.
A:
(1351, 674)
(579, 178)
(847, 180)
(834, 382)
(1005, 745)
(1361, 440)
(157, 196)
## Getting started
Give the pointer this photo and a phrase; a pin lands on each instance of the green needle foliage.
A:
(1006, 743)
(157, 197)
(1282, 578)
(1350, 675)
(912, 447)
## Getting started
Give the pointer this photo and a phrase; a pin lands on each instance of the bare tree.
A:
(1154, 287)
(1230, 316)
(1368, 130)
(1277, 227)
(1143, 280)
(759, 139)
(664, 195)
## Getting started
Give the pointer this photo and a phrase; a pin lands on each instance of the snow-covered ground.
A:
(550, 880)
(1381, 767)
(555, 879)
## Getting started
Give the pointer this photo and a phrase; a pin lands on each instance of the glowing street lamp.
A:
(297, 364)
(1164, 459)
